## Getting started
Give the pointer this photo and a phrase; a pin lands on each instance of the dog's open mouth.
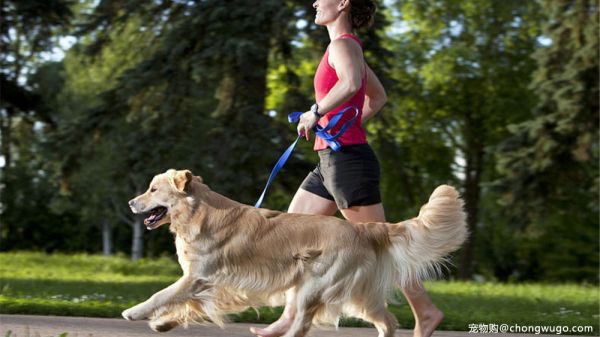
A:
(155, 215)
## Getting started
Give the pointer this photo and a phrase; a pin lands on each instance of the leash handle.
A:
(323, 133)
(320, 131)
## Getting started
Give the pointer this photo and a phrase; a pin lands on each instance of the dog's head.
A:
(165, 193)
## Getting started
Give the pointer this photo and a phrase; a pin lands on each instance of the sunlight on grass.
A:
(92, 285)
(26, 265)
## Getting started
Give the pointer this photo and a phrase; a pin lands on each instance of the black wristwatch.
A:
(315, 110)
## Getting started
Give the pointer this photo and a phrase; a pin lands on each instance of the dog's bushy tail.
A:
(420, 245)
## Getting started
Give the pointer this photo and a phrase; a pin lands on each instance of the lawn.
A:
(91, 285)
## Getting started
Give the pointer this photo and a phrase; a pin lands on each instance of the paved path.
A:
(46, 326)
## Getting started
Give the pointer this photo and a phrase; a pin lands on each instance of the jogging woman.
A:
(347, 180)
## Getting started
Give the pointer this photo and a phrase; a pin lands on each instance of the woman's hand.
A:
(308, 120)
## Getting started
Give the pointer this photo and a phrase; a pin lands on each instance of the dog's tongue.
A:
(149, 219)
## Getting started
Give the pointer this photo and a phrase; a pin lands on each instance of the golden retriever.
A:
(236, 256)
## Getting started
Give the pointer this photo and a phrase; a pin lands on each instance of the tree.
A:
(468, 65)
(190, 94)
(550, 162)
(27, 29)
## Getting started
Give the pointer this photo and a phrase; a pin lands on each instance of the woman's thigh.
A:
(305, 202)
(369, 213)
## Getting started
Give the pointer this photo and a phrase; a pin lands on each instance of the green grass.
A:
(90, 285)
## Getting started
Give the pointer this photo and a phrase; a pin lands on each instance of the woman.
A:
(347, 180)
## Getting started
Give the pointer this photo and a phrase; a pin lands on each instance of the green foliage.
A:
(207, 86)
(28, 29)
(559, 145)
(463, 68)
(549, 165)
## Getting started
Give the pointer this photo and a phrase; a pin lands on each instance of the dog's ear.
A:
(181, 179)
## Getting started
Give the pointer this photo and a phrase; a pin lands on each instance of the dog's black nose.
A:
(131, 202)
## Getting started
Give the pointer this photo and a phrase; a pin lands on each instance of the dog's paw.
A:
(134, 314)
(162, 326)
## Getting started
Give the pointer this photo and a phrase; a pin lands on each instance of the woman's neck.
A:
(340, 26)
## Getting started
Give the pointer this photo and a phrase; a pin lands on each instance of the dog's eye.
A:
(153, 189)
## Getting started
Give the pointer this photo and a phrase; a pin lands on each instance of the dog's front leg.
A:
(176, 292)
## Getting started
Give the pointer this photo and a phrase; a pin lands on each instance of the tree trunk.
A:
(137, 242)
(5, 133)
(472, 196)
(106, 238)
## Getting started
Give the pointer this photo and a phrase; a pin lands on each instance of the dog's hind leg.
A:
(309, 303)
(372, 308)
(303, 320)
(383, 320)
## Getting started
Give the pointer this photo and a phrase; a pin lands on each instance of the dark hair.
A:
(362, 13)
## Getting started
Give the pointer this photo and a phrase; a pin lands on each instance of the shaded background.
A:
(499, 98)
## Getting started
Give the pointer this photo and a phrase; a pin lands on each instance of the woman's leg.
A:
(370, 213)
(304, 202)
(427, 315)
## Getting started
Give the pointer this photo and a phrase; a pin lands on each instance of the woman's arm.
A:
(346, 57)
(375, 96)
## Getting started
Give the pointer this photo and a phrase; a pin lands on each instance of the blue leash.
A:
(320, 131)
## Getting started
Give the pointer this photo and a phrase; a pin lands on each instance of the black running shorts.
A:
(350, 177)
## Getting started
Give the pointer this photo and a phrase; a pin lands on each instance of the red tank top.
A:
(325, 79)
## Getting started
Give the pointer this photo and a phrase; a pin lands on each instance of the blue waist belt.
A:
(322, 132)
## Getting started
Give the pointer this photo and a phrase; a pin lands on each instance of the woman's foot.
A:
(276, 329)
(428, 322)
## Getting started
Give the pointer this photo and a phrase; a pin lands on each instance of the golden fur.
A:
(236, 256)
